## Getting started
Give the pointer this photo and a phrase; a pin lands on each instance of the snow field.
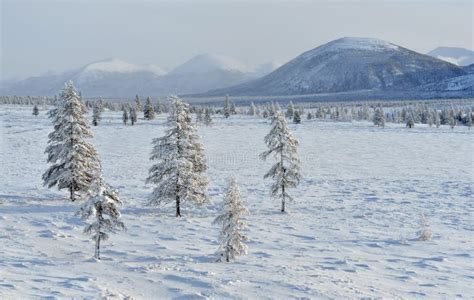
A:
(351, 231)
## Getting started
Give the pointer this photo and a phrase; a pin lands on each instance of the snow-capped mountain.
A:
(204, 72)
(457, 56)
(111, 77)
(117, 78)
(349, 64)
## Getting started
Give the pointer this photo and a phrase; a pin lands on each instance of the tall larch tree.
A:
(231, 236)
(74, 160)
(283, 147)
(180, 162)
(35, 110)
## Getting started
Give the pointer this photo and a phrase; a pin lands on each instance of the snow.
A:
(350, 233)
(353, 43)
(454, 55)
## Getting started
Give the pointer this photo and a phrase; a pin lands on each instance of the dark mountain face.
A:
(349, 64)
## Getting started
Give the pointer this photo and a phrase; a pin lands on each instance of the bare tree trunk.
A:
(178, 208)
(97, 247)
(71, 190)
(282, 185)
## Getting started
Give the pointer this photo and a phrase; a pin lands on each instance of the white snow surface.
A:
(350, 233)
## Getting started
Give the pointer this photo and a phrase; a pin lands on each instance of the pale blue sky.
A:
(40, 36)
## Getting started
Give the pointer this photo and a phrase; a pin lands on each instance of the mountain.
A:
(457, 56)
(463, 83)
(112, 78)
(348, 64)
(117, 78)
(204, 72)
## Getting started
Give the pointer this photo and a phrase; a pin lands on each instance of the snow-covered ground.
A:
(351, 232)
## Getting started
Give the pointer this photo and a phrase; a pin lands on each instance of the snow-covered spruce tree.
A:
(125, 116)
(138, 103)
(231, 236)
(469, 119)
(74, 161)
(180, 162)
(199, 116)
(290, 110)
(148, 111)
(133, 115)
(96, 113)
(410, 120)
(103, 205)
(297, 117)
(253, 109)
(35, 110)
(226, 109)
(283, 146)
(207, 117)
(309, 116)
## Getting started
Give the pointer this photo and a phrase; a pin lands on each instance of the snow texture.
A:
(353, 233)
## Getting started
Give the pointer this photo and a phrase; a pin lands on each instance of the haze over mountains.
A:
(117, 78)
(343, 65)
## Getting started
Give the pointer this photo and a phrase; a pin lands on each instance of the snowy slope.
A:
(457, 56)
(350, 233)
(459, 83)
(349, 64)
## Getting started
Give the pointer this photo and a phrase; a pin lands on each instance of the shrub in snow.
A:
(283, 146)
(180, 162)
(231, 237)
(102, 205)
(424, 234)
(74, 161)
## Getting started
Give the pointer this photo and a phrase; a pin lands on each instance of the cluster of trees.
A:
(177, 173)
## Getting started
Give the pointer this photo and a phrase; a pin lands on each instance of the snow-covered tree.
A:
(74, 160)
(125, 116)
(410, 120)
(180, 162)
(35, 110)
(437, 119)
(207, 116)
(133, 115)
(290, 110)
(103, 206)
(148, 111)
(283, 146)
(297, 117)
(452, 122)
(199, 116)
(469, 119)
(138, 103)
(232, 237)
(97, 113)
(379, 117)
(253, 109)
(226, 109)
(309, 116)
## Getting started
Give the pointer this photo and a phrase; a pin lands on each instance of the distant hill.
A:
(457, 56)
(117, 78)
(349, 64)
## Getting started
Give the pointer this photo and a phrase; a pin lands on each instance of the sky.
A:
(54, 36)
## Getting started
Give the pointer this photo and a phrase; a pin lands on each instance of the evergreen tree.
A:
(148, 111)
(138, 103)
(309, 116)
(102, 204)
(253, 109)
(133, 115)
(297, 117)
(437, 120)
(96, 114)
(410, 121)
(469, 119)
(290, 110)
(231, 237)
(74, 161)
(452, 122)
(199, 117)
(178, 173)
(35, 110)
(226, 109)
(207, 116)
(125, 116)
(283, 146)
